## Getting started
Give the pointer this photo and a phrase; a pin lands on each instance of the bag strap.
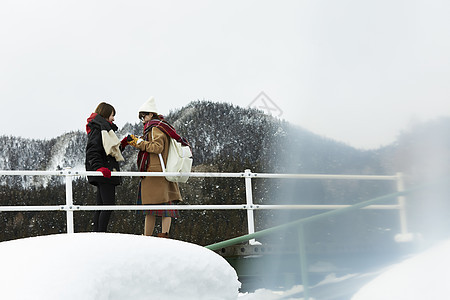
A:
(160, 157)
(162, 162)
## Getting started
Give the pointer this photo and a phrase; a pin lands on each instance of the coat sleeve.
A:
(94, 150)
(156, 144)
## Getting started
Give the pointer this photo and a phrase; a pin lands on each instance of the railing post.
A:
(249, 201)
(404, 235)
(303, 261)
(69, 200)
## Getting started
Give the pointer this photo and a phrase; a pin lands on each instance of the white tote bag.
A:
(179, 160)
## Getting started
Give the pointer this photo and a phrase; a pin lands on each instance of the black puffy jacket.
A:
(95, 153)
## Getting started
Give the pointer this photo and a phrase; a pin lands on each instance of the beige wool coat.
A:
(157, 190)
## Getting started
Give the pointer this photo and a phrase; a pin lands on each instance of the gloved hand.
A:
(133, 140)
(124, 142)
(105, 171)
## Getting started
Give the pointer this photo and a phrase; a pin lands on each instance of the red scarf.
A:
(164, 126)
(96, 119)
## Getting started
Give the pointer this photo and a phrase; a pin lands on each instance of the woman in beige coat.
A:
(155, 190)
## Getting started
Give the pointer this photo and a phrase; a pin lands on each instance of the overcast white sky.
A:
(353, 70)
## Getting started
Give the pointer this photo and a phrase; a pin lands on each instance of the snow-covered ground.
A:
(424, 276)
(120, 266)
(112, 266)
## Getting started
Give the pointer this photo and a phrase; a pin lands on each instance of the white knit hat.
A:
(149, 106)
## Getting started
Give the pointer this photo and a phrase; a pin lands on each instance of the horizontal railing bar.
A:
(69, 172)
(324, 176)
(186, 207)
(224, 207)
(96, 173)
(323, 207)
(31, 173)
(159, 174)
(157, 207)
(32, 208)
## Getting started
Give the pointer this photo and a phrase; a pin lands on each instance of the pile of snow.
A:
(112, 266)
(424, 276)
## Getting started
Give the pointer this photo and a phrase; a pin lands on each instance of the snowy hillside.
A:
(218, 132)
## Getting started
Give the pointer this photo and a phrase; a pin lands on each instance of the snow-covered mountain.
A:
(225, 137)
(219, 133)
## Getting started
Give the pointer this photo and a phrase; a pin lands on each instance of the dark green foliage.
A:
(26, 224)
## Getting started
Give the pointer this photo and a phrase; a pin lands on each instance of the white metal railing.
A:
(247, 175)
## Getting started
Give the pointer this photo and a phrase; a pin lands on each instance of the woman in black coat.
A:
(103, 153)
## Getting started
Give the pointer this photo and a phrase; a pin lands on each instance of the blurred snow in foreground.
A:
(424, 276)
(120, 266)
(112, 266)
